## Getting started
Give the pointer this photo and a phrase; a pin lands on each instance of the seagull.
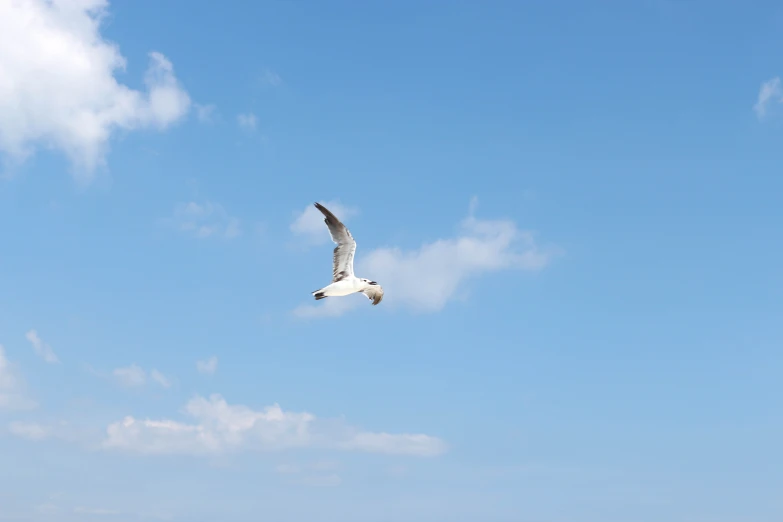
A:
(343, 280)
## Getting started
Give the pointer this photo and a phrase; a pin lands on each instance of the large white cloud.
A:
(480, 247)
(219, 427)
(58, 89)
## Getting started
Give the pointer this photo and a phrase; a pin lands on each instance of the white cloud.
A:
(131, 376)
(205, 220)
(219, 428)
(134, 376)
(208, 366)
(12, 392)
(58, 89)
(310, 225)
(770, 92)
(247, 121)
(61, 430)
(405, 444)
(160, 378)
(482, 246)
(28, 430)
(42, 350)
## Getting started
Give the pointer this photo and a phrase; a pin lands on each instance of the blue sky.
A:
(574, 210)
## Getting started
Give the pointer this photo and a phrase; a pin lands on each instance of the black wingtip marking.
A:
(319, 295)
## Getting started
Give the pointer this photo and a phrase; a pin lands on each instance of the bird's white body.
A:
(347, 286)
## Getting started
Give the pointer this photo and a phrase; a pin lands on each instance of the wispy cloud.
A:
(60, 430)
(481, 247)
(219, 427)
(71, 100)
(29, 430)
(204, 220)
(309, 224)
(161, 379)
(13, 395)
(247, 121)
(134, 376)
(207, 366)
(769, 93)
(271, 78)
(205, 113)
(130, 376)
(42, 350)
(393, 444)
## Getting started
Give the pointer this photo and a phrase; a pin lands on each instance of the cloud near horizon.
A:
(58, 87)
(480, 247)
(221, 428)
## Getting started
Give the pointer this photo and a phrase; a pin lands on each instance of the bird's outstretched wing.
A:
(342, 263)
(374, 293)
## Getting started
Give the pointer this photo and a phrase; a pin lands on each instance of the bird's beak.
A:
(373, 283)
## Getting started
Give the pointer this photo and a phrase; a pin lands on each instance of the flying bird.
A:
(343, 280)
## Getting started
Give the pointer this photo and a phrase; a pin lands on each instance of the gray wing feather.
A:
(342, 261)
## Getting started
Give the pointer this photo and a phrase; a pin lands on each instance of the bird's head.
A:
(369, 282)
